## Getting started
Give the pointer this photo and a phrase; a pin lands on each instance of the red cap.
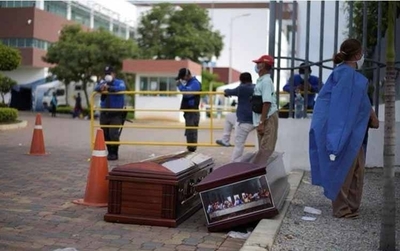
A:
(265, 59)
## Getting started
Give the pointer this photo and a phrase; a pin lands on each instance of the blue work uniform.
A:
(112, 117)
(191, 102)
(298, 81)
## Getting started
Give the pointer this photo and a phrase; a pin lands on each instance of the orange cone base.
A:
(82, 202)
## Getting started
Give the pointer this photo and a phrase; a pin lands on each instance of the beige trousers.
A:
(349, 198)
(268, 140)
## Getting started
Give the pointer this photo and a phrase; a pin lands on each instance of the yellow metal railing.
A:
(211, 126)
(211, 110)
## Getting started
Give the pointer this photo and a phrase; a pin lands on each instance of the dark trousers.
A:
(111, 134)
(53, 110)
(191, 119)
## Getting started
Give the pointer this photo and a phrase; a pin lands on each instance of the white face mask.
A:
(256, 69)
(360, 62)
(183, 82)
(302, 76)
(108, 78)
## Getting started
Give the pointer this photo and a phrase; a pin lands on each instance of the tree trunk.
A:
(66, 93)
(388, 222)
(2, 98)
(84, 86)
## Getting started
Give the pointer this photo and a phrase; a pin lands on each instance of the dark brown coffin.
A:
(158, 191)
(264, 170)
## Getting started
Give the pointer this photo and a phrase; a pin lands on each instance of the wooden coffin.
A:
(243, 192)
(158, 191)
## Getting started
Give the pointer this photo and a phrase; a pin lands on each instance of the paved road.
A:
(36, 212)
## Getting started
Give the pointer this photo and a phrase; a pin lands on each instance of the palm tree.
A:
(388, 223)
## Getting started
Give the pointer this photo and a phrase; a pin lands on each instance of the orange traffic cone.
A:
(37, 145)
(96, 194)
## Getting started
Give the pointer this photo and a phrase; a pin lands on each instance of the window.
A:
(16, 4)
(56, 7)
(26, 42)
(100, 22)
(157, 84)
(81, 16)
(60, 92)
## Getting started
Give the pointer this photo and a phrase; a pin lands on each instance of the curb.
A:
(263, 236)
(18, 125)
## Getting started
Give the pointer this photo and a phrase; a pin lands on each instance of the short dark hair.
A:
(303, 68)
(245, 77)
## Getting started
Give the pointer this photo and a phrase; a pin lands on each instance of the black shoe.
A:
(112, 157)
(191, 149)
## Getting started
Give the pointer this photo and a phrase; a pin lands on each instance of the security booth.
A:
(158, 76)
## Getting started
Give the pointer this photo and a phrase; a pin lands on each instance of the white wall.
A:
(25, 75)
(293, 142)
(157, 103)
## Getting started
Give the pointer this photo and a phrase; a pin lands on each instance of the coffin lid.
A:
(166, 167)
(237, 171)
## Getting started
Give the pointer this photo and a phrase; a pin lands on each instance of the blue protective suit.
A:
(338, 127)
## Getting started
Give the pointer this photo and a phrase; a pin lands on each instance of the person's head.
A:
(184, 75)
(264, 64)
(79, 94)
(245, 77)
(54, 94)
(303, 70)
(351, 53)
(109, 74)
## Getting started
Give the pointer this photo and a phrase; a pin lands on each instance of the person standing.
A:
(341, 116)
(265, 115)
(53, 105)
(78, 106)
(188, 83)
(111, 101)
(244, 113)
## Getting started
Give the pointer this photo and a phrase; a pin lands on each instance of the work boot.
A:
(113, 153)
(191, 138)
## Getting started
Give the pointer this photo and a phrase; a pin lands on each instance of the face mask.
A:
(256, 69)
(183, 82)
(108, 78)
(302, 76)
(360, 62)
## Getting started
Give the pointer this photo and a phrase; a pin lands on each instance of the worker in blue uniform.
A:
(342, 114)
(111, 101)
(188, 83)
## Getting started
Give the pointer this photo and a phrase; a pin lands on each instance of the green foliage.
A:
(10, 58)
(208, 78)
(8, 115)
(79, 55)
(2, 105)
(6, 84)
(166, 32)
(372, 27)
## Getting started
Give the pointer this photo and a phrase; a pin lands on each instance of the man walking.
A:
(187, 83)
(244, 113)
(265, 116)
(111, 101)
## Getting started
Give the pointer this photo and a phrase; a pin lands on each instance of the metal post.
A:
(294, 28)
(378, 58)
(307, 73)
(271, 40)
(335, 43)
(321, 43)
(280, 10)
(365, 31)
(351, 10)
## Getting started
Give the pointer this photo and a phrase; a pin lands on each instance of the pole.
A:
(230, 51)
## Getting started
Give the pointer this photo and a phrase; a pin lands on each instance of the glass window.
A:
(28, 42)
(131, 34)
(172, 86)
(144, 82)
(20, 42)
(57, 7)
(17, 4)
(164, 86)
(81, 16)
(13, 42)
(28, 3)
(101, 23)
(10, 4)
(3, 4)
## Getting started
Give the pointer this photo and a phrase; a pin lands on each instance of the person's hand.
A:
(104, 88)
(260, 129)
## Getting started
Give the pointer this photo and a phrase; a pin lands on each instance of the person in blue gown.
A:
(342, 114)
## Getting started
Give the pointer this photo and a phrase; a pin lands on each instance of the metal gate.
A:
(363, 19)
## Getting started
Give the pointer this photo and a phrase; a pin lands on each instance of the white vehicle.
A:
(61, 94)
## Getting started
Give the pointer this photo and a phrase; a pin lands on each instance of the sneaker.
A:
(221, 143)
(191, 149)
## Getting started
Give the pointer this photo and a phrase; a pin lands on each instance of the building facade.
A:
(39, 24)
